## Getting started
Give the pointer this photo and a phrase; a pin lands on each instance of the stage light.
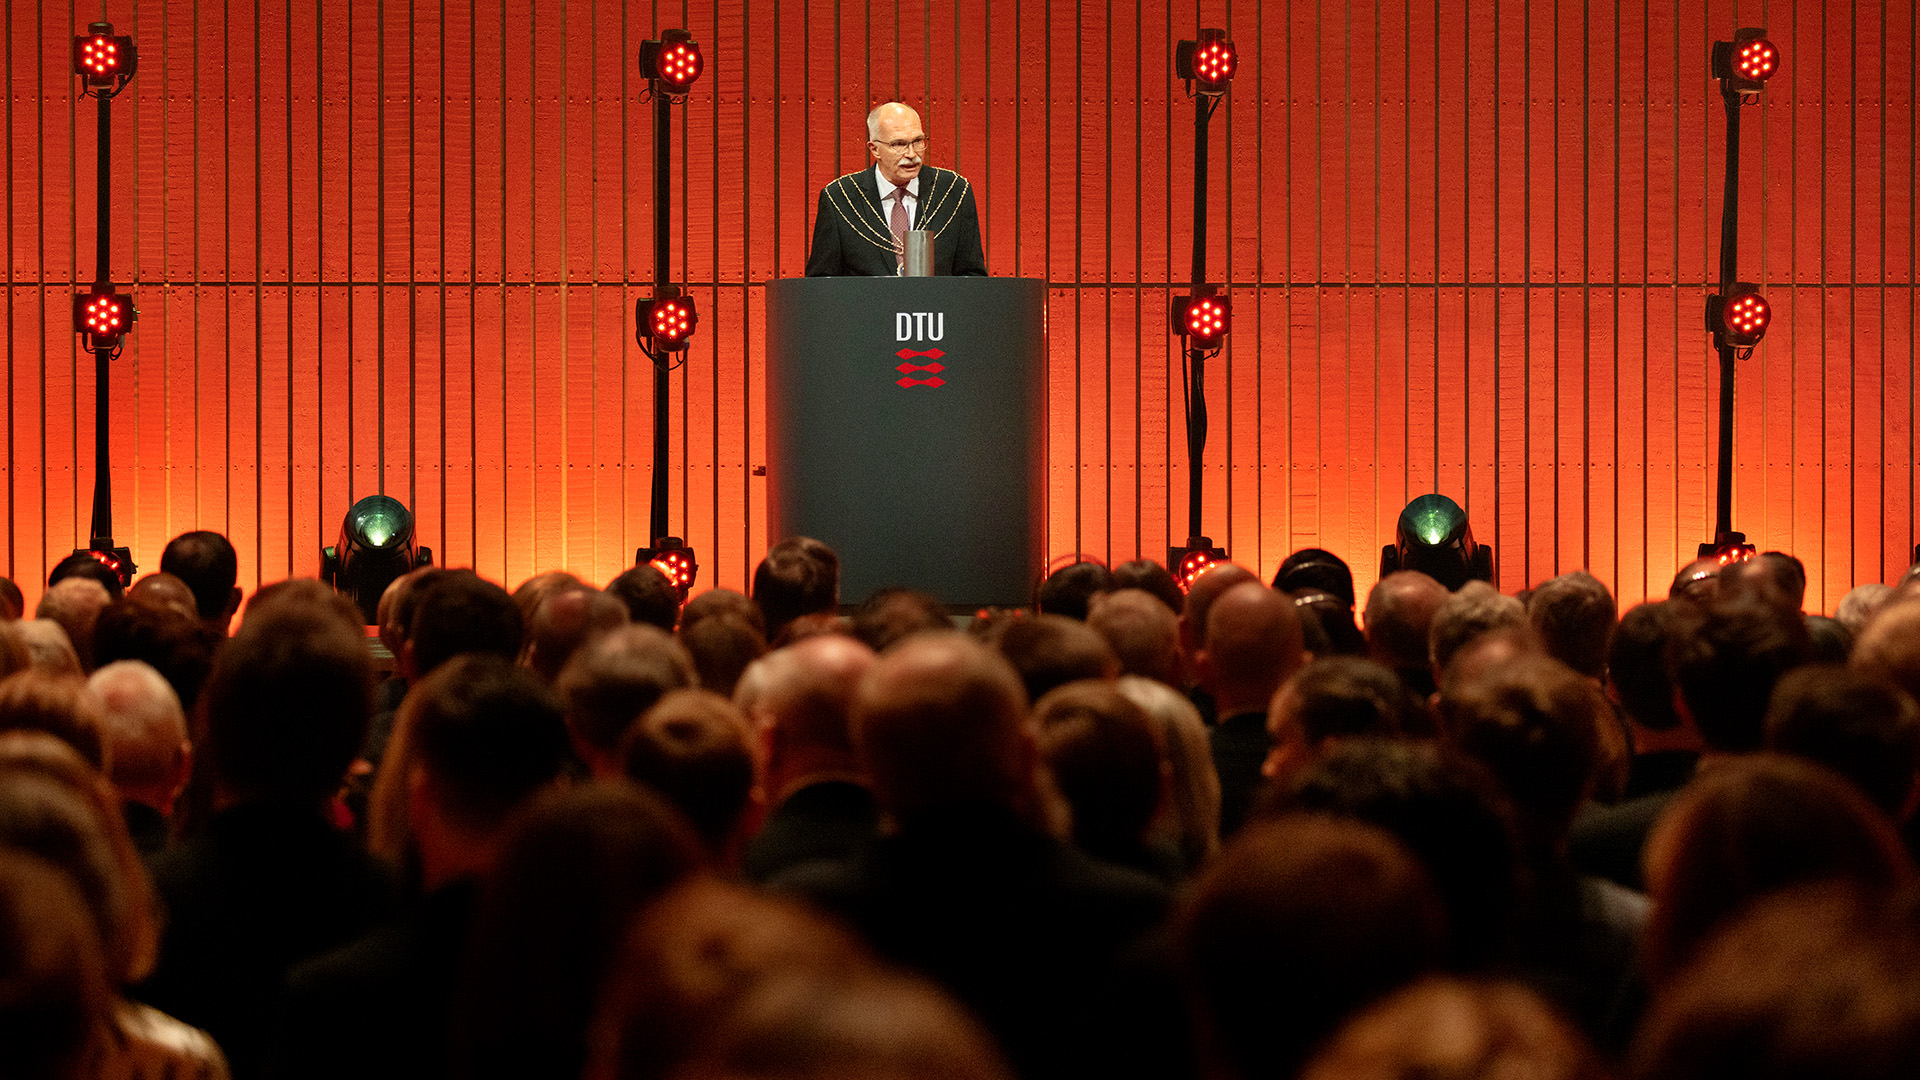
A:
(1726, 550)
(1745, 64)
(376, 546)
(1203, 318)
(1434, 537)
(1189, 562)
(1739, 318)
(669, 320)
(1209, 63)
(103, 315)
(674, 61)
(671, 556)
(117, 560)
(103, 59)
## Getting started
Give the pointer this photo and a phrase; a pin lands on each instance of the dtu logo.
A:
(919, 325)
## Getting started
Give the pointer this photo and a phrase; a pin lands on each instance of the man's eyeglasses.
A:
(903, 146)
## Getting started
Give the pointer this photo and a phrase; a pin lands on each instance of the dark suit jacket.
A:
(829, 819)
(1020, 927)
(851, 236)
(263, 888)
(1240, 744)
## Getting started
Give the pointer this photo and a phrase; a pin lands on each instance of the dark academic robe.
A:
(852, 236)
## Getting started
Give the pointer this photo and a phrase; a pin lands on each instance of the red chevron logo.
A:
(909, 354)
(935, 381)
(931, 368)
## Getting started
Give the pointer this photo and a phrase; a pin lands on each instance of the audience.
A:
(1002, 817)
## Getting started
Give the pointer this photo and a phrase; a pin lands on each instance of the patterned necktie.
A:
(899, 224)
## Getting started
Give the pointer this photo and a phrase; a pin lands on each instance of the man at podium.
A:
(860, 227)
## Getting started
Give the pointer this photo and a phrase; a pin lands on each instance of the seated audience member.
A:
(269, 881)
(61, 706)
(573, 869)
(1534, 723)
(1213, 583)
(1069, 591)
(1193, 822)
(1817, 983)
(562, 621)
(1861, 604)
(815, 625)
(481, 738)
(1726, 658)
(894, 612)
(1143, 632)
(1253, 646)
(12, 604)
(1890, 645)
(693, 748)
(722, 646)
(1860, 726)
(1316, 570)
(82, 564)
(969, 888)
(1666, 745)
(690, 958)
(457, 613)
(1106, 759)
(206, 561)
(530, 592)
(1477, 608)
(1448, 811)
(1444, 1027)
(611, 681)
(1773, 577)
(172, 642)
(1151, 578)
(47, 646)
(75, 603)
(722, 602)
(1327, 702)
(1751, 826)
(145, 734)
(166, 591)
(1574, 617)
(1399, 624)
(819, 805)
(1300, 922)
(868, 1024)
(1053, 650)
(55, 806)
(799, 576)
(54, 996)
(650, 598)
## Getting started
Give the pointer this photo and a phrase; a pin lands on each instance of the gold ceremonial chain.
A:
(884, 240)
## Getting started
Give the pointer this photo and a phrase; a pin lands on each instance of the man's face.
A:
(900, 147)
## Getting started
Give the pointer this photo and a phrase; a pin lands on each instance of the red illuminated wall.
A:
(392, 247)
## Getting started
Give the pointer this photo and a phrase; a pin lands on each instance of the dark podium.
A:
(906, 426)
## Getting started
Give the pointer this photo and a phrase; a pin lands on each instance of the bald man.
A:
(820, 806)
(1253, 645)
(146, 735)
(860, 226)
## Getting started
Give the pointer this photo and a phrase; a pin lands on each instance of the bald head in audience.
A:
(611, 681)
(1399, 623)
(941, 723)
(801, 712)
(75, 603)
(145, 732)
(1253, 644)
(1213, 583)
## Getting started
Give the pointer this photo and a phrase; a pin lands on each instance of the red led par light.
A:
(1746, 63)
(1209, 63)
(674, 60)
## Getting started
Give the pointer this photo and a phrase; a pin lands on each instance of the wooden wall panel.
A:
(391, 246)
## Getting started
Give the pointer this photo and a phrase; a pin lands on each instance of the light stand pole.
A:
(106, 64)
(663, 325)
(1202, 317)
(1737, 315)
